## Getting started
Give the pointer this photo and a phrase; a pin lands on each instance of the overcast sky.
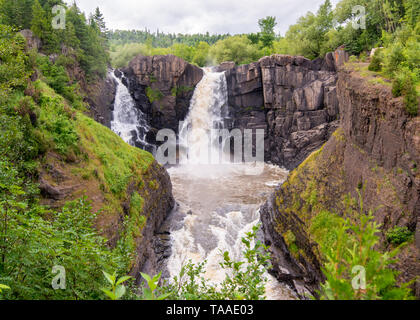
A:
(199, 16)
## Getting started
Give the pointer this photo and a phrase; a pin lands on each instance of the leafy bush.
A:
(150, 292)
(348, 245)
(403, 85)
(153, 94)
(377, 60)
(237, 48)
(34, 239)
(411, 100)
(245, 280)
(399, 235)
(117, 290)
(13, 72)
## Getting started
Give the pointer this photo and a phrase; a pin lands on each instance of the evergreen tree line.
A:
(160, 39)
(312, 36)
(87, 36)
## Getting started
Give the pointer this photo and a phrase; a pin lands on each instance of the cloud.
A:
(195, 16)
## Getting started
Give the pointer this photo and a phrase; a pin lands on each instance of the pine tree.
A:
(99, 20)
(39, 20)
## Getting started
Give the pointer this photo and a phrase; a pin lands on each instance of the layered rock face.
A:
(154, 246)
(162, 87)
(101, 98)
(59, 184)
(292, 98)
(376, 150)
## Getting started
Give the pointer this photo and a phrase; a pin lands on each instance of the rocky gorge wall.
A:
(292, 98)
(375, 150)
(162, 87)
(107, 172)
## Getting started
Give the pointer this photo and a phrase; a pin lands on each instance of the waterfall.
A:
(128, 121)
(218, 204)
(209, 108)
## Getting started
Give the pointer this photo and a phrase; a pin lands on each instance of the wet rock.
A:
(162, 87)
(289, 97)
(101, 99)
(376, 145)
(155, 246)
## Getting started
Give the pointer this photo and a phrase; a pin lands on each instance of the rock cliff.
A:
(292, 98)
(162, 87)
(376, 150)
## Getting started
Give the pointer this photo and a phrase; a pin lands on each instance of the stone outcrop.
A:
(162, 87)
(32, 42)
(101, 97)
(99, 94)
(152, 249)
(376, 150)
(292, 98)
(59, 184)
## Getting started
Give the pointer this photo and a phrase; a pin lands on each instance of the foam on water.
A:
(128, 121)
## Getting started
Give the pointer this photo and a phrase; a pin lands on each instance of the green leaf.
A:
(164, 296)
(147, 294)
(110, 294)
(123, 279)
(109, 278)
(156, 278)
(146, 277)
(120, 291)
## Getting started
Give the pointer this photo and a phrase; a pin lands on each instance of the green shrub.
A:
(411, 101)
(403, 85)
(377, 60)
(35, 239)
(153, 94)
(348, 245)
(353, 58)
(353, 249)
(245, 279)
(399, 235)
(398, 84)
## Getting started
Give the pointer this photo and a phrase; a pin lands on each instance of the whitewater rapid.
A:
(219, 203)
(128, 121)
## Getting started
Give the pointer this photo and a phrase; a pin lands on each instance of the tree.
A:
(201, 54)
(42, 28)
(237, 48)
(99, 20)
(39, 21)
(308, 36)
(16, 13)
(13, 73)
(267, 34)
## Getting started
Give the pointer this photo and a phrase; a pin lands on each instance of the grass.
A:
(103, 167)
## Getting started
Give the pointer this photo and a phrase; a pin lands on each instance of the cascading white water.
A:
(218, 204)
(208, 110)
(128, 121)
